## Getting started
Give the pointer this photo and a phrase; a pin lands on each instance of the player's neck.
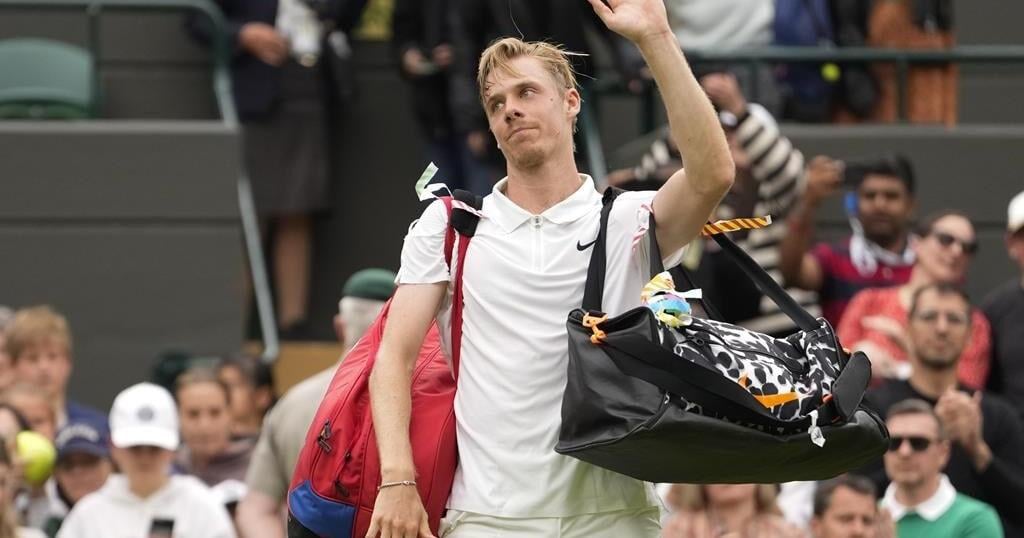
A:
(537, 189)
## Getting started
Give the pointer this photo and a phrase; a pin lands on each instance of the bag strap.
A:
(594, 289)
(593, 292)
(462, 223)
(768, 286)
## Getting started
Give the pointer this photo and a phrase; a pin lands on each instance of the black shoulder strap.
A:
(767, 284)
(464, 221)
(593, 292)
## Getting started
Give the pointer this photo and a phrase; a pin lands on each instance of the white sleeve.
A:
(626, 231)
(423, 249)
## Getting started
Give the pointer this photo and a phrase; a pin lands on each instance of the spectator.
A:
(1004, 308)
(284, 431)
(208, 451)
(876, 319)
(9, 527)
(251, 385)
(424, 44)
(727, 25)
(878, 252)
(146, 499)
(844, 507)
(83, 466)
(6, 370)
(987, 456)
(284, 55)
(769, 179)
(931, 91)
(39, 343)
(33, 405)
(921, 499)
(741, 510)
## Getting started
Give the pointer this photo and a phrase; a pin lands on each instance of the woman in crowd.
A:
(876, 319)
(6, 369)
(252, 392)
(204, 410)
(738, 510)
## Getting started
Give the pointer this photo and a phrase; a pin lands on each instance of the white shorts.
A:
(637, 523)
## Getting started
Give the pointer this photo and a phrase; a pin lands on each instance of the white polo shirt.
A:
(524, 274)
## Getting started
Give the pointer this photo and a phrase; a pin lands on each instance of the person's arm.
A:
(999, 462)
(259, 513)
(260, 516)
(975, 361)
(798, 266)
(686, 201)
(398, 509)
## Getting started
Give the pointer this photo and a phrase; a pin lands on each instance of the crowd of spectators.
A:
(183, 459)
(210, 455)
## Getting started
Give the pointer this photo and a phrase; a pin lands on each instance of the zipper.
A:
(325, 434)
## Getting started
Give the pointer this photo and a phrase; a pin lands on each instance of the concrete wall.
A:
(129, 229)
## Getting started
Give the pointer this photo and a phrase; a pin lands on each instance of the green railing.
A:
(902, 59)
(222, 93)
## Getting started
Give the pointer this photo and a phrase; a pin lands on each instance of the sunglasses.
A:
(946, 240)
(917, 444)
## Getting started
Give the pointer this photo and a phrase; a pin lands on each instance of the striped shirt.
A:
(777, 169)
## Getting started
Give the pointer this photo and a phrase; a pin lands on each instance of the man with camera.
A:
(876, 254)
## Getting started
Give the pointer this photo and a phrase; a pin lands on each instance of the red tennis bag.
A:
(334, 485)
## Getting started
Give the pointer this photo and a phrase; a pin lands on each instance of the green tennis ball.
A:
(830, 72)
(37, 456)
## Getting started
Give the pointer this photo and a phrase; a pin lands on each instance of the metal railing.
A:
(754, 58)
(222, 93)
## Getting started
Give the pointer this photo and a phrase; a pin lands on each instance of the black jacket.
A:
(256, 85)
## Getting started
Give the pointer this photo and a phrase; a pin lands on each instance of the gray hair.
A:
(358, 314)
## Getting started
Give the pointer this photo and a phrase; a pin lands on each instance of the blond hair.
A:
(499, 55)
(34, 326)
(693, 498)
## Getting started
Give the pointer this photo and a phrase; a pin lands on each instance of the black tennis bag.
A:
(711, 402)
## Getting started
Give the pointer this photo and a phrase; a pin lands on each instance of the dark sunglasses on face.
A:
(917, 444)
(946, 240)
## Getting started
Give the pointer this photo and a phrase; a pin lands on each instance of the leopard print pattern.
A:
(790, 377)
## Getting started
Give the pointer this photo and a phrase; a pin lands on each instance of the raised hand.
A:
(636, 20)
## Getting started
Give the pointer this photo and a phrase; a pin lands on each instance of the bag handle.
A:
(768, 286)
(462, 223)
(594, 289)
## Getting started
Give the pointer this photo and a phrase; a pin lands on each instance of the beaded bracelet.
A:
(398, 483)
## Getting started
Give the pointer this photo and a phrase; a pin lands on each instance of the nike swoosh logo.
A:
(581, 247)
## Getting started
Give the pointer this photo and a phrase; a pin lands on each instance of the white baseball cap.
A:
(1015, 213)
(144, 415)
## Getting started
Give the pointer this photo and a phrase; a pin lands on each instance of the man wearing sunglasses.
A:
(923, 501)
(984, 434)
(1004, 308)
